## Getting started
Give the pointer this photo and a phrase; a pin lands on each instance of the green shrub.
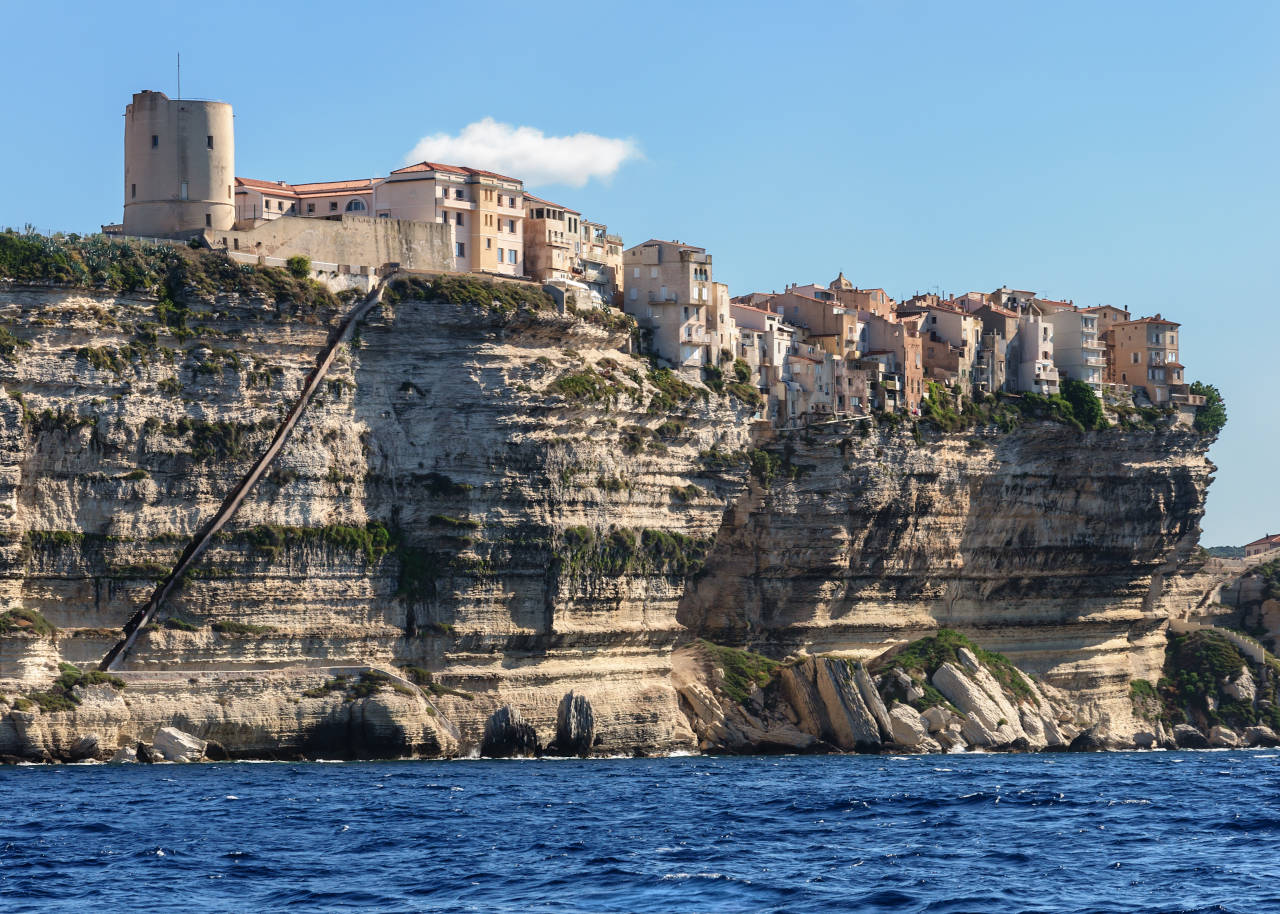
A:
(586, 387)
(671, 391)
(1085, 407)
(135, 475)
(299, 266)
(742, 371)
(1212, 417)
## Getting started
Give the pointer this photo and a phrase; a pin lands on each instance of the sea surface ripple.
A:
(1126, 832)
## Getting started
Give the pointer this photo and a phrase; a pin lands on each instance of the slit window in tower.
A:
(155, 141)
(209, 140)
(182, 194)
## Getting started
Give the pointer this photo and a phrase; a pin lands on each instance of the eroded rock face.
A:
(1188, 737)
(539, 541)
(175, 746)
(508, 735)
(575, 726)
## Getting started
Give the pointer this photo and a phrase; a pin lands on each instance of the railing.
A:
(655, 297)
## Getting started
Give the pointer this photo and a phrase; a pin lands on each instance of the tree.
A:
(1084, 403)
(1211, 417)
(299, 265)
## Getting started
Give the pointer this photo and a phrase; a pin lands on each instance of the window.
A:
(182, 192)
(209, 141)
(460, 249)
(356, 206)
(333, 206)
(633, 293)
(635, 272)
(155, 141)
(511, 226)
(311, 207)
(208, 220)
(1135, 358)
(500, 255)
(457, 193)
(457, 218)
(133, 192)
(653, 272)
(488, 244)
(228, 191)
(511, 256)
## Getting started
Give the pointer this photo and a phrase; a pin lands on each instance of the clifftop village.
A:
(812, 350)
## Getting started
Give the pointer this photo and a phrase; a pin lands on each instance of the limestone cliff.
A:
(496, 506)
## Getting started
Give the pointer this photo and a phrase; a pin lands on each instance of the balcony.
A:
(890, 384)
(696, 338)
(1094, 345)
(659, 298)
(1094, 362)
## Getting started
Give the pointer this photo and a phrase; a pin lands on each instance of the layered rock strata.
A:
(509, 504)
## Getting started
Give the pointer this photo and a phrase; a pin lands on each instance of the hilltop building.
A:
(179, 165)
(667, 288)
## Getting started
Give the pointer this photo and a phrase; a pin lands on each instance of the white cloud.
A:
(527, 153)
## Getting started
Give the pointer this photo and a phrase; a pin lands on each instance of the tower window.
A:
(133, 191)
(182, 193)
(155, 141)
(209, 141)
(208, 220)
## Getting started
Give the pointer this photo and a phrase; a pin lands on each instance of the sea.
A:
(1149, 832)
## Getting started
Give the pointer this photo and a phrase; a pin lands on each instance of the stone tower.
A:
(179, 165)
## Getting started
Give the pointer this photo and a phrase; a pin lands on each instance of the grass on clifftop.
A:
(741, 669)
(497, 297)
(1197, 666)
(927, 654)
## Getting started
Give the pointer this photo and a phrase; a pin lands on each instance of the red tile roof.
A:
(453, 169)
(530, 198)
(1149, 320)
(267, 187)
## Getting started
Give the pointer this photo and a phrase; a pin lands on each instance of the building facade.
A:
(667, 288)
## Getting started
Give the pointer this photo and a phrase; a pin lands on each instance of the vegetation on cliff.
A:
(742, 669)
(503, 298)
(1212, 417)
(1207, 681)
(623, 551)
(921, 659)
(171, 272)
(25, 621)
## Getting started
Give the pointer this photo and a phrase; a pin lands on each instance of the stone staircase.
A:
(204, 536)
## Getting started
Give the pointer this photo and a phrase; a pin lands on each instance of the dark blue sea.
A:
(1165, 831)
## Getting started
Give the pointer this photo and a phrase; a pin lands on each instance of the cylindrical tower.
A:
(179, 165)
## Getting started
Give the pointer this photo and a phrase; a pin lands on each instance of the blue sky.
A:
(1102, 152)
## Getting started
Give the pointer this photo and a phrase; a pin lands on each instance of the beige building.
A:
(551, 240)
(600, 259)
(179, 165)
(261, 201)
(1146, 356)
(1108, 316)
(1268, 543)
(667, 290)
(1077, 351)
(1036, 372)
(486, 211)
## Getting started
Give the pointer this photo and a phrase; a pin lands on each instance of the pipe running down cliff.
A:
(191, 554)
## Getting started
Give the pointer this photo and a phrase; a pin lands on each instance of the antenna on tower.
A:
(179, 74)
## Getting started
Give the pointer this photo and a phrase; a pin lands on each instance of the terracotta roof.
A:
(675, 244)
(1149, 320)
(267, 187)
(452, 169)
(323, 187)
(530, 198)
(753, 308)
(1265, 541)
(996, 309)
